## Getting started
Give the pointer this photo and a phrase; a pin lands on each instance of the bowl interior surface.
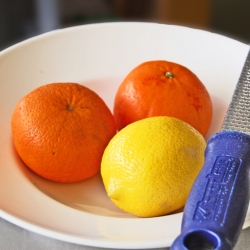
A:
(99, 56)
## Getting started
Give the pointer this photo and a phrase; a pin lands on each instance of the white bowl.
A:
(99, 56)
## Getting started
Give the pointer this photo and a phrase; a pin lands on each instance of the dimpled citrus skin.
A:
(148, 167)
(162, 88)
(60, 131)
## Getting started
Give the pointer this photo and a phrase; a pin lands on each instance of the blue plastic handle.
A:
(217, 204)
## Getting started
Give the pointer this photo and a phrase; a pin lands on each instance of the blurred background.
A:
(23, 19)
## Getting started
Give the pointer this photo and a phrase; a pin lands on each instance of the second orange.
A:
(162, 88)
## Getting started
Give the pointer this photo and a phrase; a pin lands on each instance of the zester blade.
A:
(238, 114)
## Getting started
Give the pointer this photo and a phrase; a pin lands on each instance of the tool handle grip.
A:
(217, 204)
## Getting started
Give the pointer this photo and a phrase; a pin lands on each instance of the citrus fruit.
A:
(60, 131)
(162, 88)
(148, 167)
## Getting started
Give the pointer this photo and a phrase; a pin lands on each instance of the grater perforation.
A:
(238, 114)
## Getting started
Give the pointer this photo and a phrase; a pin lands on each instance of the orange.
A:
(162, 88)
(60, 131)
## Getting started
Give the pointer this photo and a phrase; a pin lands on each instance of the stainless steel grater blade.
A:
(238, 114)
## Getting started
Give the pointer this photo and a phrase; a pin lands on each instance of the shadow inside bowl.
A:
(88, 195)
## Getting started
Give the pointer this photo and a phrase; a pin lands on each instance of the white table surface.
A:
(16, 238)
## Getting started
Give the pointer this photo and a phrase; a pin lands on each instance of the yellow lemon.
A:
(148, 168)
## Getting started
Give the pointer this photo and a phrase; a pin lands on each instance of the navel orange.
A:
(162, 88)
(60, 131)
